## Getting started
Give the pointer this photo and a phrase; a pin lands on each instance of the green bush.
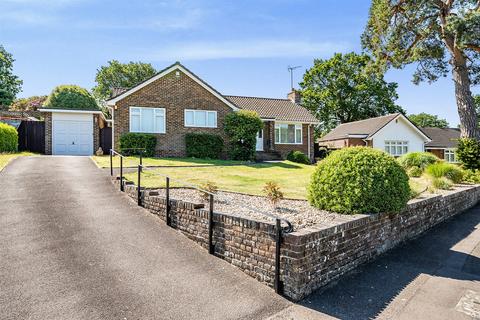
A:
(204, 145)
(415, 172)
(417, 159)
(241, 128)
(468, 153)
(445, 170)
(8, 138)
(138, 140)
(71, 97)
(298, 156)
(471, 176)
(359, 180)
(441, 183)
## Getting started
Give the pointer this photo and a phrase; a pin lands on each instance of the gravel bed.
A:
(298, 212)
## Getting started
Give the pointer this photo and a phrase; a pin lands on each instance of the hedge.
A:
(8, 138)
(138, 140)
(359, 180)
(298, 156)
(204, 145)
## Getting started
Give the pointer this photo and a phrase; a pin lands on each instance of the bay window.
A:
(200, 118)
(396, 148)
(287, 133)
(147, 120)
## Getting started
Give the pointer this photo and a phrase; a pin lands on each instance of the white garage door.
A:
(72, 134)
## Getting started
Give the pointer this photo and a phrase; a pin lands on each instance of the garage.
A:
(72, 134)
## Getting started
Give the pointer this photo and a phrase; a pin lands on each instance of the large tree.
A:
(28, 104)
(439, 36)
(10, 84)
(120, 75)
(428, 120)
(343, 89)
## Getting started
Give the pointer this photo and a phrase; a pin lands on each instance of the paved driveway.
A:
(72, 247)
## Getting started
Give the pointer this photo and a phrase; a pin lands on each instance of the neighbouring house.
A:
(393, 133)
(444, 142)
(175, 102)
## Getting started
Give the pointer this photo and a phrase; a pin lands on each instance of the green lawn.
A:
(104, 162)
(5, 158)
(247, 178)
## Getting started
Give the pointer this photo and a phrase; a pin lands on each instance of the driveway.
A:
(73, 247)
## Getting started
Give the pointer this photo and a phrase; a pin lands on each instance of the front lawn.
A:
(104, 162)
(5, 158)
(293, 178)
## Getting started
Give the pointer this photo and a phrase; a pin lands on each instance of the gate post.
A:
(278, 239)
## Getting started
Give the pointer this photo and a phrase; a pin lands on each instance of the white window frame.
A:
(297, 126)
(195, 111)
(394, 144)
(155, 110)
(450, 152)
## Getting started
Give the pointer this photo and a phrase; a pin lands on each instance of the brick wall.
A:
(175, 94)
(48, 132)
(313, 258)
(310, 258)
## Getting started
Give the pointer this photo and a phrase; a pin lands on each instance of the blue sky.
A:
(240, 47)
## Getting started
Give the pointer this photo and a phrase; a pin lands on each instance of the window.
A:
(449, 155)
(396, 148)
(200, 118)
(286, 133)
(147, 120)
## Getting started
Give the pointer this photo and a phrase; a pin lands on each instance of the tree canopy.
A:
(71, 97)
(28, 104)
(10, 84)
(428, 120)
(343, 89)
(120, 75)
(439, 36)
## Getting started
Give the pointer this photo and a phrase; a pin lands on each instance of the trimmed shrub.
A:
(417, 159)
(8, 138)
(415, 172)
(71, 97)
(298, 156)
(445, 170)
(204, 145)
(241, 128)
(138, 140)
(359, 180)
(468, 153)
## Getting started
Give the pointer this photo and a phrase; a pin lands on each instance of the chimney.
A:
(294, 96)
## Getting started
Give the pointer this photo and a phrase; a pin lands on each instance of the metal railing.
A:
(279, 230)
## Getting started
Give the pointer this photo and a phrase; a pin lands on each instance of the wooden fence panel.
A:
(31, 136)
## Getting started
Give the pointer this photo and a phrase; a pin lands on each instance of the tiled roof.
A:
(367, 127)
(278, 109)
(442, 138)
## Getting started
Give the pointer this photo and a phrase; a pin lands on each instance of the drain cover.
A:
(470, 304)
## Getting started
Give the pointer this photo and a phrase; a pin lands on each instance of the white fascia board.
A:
(113, 101)
(70, 111)
(409, 123)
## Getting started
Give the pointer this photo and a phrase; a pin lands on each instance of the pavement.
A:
(73, 247)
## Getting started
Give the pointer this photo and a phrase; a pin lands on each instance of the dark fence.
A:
(31, 136)
(106, 139)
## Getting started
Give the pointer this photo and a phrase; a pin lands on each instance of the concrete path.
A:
(73, 247)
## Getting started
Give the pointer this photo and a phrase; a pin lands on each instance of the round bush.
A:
(71, 97)
(417, 159)
(298, 156)
(8, 138)
(359, 180)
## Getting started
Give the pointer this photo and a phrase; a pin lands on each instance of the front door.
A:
(259, 140)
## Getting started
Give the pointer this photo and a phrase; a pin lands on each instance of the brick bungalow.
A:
(444, 142)
(176, 101)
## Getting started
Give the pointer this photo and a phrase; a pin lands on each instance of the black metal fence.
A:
(279, 230)
(31, 136)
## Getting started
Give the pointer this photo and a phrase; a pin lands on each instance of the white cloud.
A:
(256, 48)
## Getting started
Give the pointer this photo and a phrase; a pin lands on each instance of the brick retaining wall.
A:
(310, 257)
